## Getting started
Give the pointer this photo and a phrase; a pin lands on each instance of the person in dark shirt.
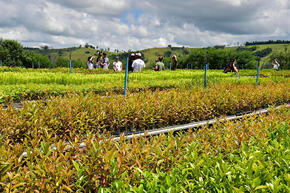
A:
(232, 66)
(174, 62)
(132, 57)
(99, 60)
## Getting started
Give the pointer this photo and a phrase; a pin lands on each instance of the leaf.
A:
(76, 165)
(261, 187)
(238, 190)
(67, 188)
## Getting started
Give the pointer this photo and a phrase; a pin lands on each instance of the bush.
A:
(11, 53)
(217, 58)
(263, 53)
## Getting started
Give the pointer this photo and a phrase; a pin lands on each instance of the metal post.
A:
(126, 77)
(70, 68)
(187, 66)
(49, 63)
(0, 63)
(205, 69)
(170, 66)
(258, 72)
(191, 66)
(38, 65)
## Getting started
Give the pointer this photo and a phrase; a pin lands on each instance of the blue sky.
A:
(135, 13)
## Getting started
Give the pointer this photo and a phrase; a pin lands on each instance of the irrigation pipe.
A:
(188, 126)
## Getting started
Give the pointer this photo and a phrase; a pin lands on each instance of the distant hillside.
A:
(152, 53)
(276, 48)
(81, 54)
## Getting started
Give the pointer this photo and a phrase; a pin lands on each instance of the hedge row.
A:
(81, 114)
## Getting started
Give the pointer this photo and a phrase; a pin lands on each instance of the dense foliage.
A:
(13, 54)
(19, 83)
(249, 155)
(252, 48)
(218, 58)
(79, 114)
(263, 53)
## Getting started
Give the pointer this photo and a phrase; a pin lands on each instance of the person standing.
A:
(106, 62)
(90, 63)
(174, 62)
(131, 60)
(138, 64)
(232, 66)
(159, 66)
(117, 65)
(99, 60)
(235, 68)
(276, 64)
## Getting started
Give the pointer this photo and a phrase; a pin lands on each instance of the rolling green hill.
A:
(275, 48)
(151, 54)
(81, 54)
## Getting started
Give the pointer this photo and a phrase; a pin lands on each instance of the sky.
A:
(141, 24)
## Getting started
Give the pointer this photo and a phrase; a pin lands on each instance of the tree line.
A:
(267, 42)
(247, 58)
(13, 54)
(217, 58)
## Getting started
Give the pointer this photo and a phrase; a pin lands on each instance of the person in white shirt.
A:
(91, 62)
(275, 64)
(117, 65)
(138, 63)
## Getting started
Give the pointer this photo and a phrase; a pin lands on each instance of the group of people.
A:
(136, 64)
(232, 66)
(159, 65)
(102, 61)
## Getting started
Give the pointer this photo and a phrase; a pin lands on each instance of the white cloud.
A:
(115, 24)
(97, 7)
